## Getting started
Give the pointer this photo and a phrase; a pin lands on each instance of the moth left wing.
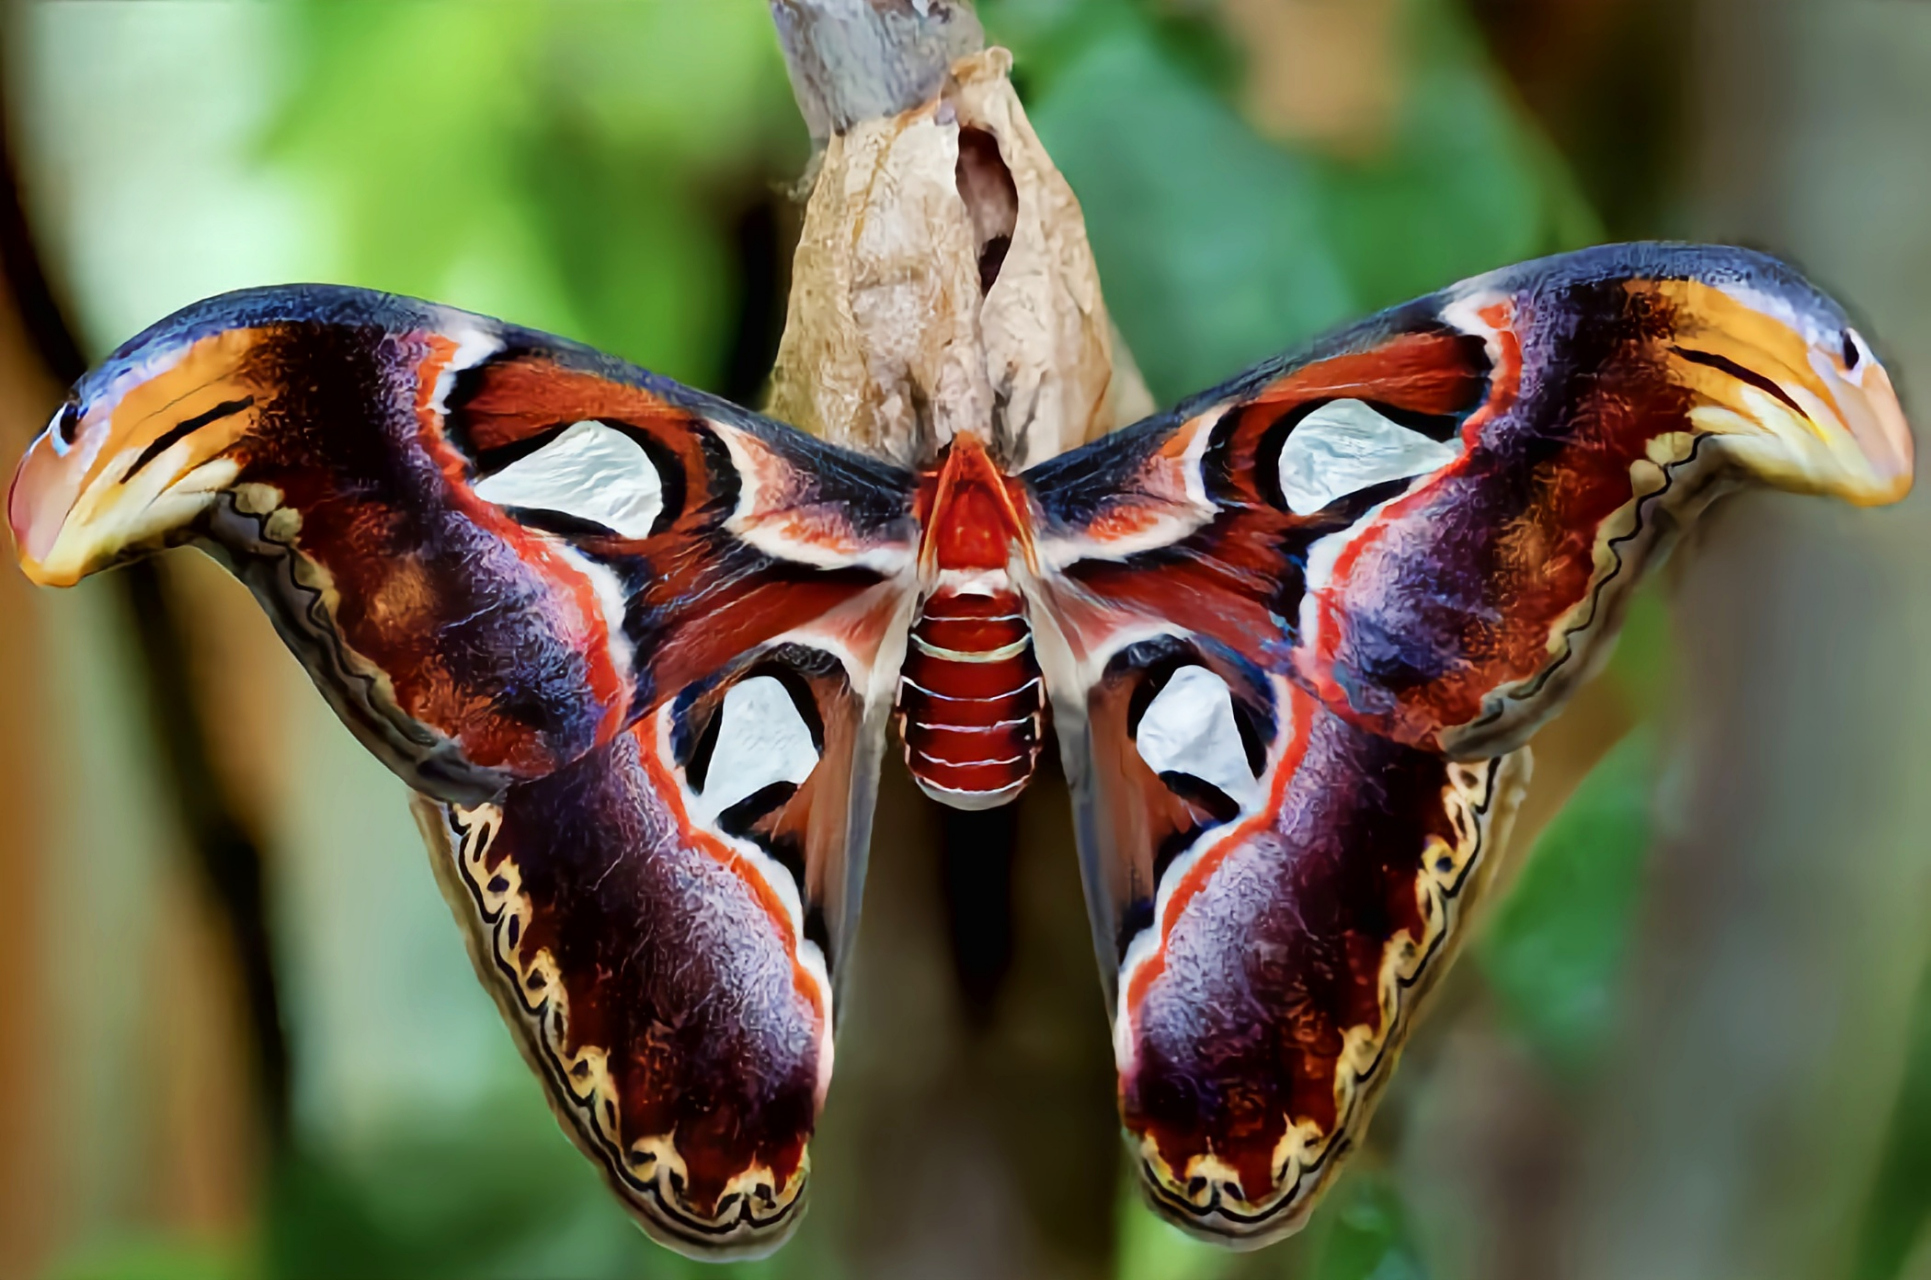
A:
(1295, 631)
(634, 646)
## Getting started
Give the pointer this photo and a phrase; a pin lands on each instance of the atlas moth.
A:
(636, 650)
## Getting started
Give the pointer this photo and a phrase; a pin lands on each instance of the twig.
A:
(853, 60)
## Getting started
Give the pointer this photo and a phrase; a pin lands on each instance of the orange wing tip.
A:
(38, 502)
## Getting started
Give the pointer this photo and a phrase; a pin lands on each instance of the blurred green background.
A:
(1693, 1041)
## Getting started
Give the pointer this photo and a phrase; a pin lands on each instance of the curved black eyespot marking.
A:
(818, 932)
(742, 816)
(785, 667)
(1442, 428)
(67, 423)
(1152, 664)
(1202, 795)
(1139, 913)
(182, 430)
(1158, 658)
(1742, 373)
(672, 484)
(697, 764)
(561, 523)
(489, 461)
(791, 665)
(1851, 355)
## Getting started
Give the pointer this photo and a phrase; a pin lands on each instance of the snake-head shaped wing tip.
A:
(149, 439)
(1770, 367)
(1803, 403)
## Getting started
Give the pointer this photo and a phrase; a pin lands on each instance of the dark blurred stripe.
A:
(227, 853)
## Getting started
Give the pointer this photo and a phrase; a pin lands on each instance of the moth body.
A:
(971, 705)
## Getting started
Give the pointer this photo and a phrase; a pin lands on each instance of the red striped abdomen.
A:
(970, 703)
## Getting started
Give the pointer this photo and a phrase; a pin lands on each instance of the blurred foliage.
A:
(1898, 1213)
(154, 1258)
(1555, 950)
(489, 1195)
(1359, 1233)
(1219, 247)
(1366, 1236)
(579, 167)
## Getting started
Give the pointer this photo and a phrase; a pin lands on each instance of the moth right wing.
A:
(636, 648)
(1297, 631)
(1274, 890)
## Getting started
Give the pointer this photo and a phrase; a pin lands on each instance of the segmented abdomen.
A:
(970, 702)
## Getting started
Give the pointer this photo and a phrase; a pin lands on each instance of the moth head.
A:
(1774, 368)
(972, 516)
(141, 447)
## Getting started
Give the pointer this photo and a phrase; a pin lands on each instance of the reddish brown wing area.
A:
(1458, 614)
(518, 396)
(470, 645)
(702, 596)
(1272, 931)
(1270, 940)
(1449, 607)
(1237, 578)
(1294, 629)
(658, 888)
(655, 983)
(670, 961)
(1263, 1008)
(464, 648)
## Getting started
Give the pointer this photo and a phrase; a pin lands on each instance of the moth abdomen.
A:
(970, 704)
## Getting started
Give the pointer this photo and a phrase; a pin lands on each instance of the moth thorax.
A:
(971, 707)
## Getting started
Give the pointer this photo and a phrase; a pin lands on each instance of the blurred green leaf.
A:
(1049, 35)
(1148, 1248)
(1208, 238)
(477, 1203)
(574, 167)
(1899, 1209)
(499, 1192)
(1219, 247)
(1359, 1232)
(1466, 184)
(164, 1257)
(1367, 1233)
(1555, 952)
(1642, 665)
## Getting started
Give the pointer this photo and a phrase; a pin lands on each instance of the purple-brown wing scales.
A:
(654, 982)
(1261, 1008)
(1294, 629)
(634, 646)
